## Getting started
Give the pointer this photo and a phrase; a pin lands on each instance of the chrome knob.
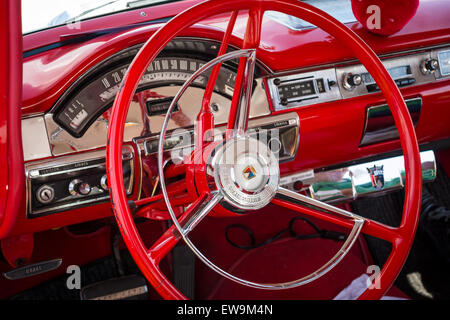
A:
(275, 145)
(351, 81)
(104, 182)
(45, 194)
(78, 187)
(429, 66)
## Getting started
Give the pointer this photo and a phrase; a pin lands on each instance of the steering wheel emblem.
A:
(249, 172)
(246, 172)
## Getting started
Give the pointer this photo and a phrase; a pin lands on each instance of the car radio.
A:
(352, 80)
(402, 75)
(303, 89)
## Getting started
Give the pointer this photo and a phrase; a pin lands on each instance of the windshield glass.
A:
(338, 9)
(44, 14)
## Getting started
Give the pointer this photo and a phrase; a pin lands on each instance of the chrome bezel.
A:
(32, 171)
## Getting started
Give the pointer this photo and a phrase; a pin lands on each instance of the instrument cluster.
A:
(72, 135)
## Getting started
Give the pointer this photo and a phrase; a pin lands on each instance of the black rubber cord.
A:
(320, 233)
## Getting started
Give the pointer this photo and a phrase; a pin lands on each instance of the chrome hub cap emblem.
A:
(246, 172)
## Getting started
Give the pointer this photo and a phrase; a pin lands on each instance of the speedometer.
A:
(81, 108)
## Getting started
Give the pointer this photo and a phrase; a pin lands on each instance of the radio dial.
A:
(104, 182)
(351, 81)
(78, 187)
(429, 66)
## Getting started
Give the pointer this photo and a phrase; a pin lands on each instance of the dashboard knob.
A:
(214, 107)
(429, 66)
(351, 81)
(104, 182)
(45, 194)
(331, 83)
(275, 145)
(78, 187)
(298, 185)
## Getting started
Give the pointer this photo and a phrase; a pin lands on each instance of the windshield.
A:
(44, 14)
(339, 9)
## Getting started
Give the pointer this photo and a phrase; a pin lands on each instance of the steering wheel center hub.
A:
(247, 173)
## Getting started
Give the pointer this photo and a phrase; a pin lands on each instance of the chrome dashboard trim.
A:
(38, 147)
(291, 117)
(32, 171)
(413, 77)
(436, 54)
(327, 75)
(364, 179)
(413, 61)
(374, 133)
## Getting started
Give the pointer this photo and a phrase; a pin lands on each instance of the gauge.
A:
(93, 97)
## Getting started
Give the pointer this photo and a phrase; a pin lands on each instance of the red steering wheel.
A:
(210, 183)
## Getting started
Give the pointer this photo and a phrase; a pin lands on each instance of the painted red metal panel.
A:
(12, 179)
(18, 250)
(48, 74)
(4, 57)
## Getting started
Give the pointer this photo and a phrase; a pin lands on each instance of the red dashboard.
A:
(54, 59)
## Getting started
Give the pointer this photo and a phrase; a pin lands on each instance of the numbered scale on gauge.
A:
(76, 114)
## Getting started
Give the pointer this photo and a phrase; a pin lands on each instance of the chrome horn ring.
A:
(222, 193)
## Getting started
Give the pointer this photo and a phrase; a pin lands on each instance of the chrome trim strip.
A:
(32, 269)
(35, 139)
(412, 61)
(384, 133)
(198, 216)
(331, 93)
(370, 178)
(291, 117)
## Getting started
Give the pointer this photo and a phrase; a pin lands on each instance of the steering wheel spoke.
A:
(205, 118)
(198, 211)
(309, 206)
(193, 215)
(240, 104)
